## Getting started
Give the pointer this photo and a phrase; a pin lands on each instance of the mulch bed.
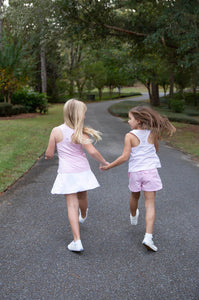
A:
(21, 116)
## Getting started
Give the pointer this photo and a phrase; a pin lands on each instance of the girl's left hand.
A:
(104, 167)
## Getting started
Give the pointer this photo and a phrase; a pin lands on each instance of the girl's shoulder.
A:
(57, 133)
(65, 128)
(133, 139)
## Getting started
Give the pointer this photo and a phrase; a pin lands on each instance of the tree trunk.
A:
(9, 98)
(165, 86)
(119, 91)
(71, 88)
(43, 69)
(171, 86)
(100, 93)
(148, 86)
(155, 100)
(80, 88)
(1, 23)
(195, 95)
(110, 91)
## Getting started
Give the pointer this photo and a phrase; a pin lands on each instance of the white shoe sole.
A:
(75, 249)
(150, 248)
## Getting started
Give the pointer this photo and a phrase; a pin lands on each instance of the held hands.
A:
(104, 167)
(48, 157)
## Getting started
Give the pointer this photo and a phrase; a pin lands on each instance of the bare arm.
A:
(92, 151)
(55, 137)
(125, 154)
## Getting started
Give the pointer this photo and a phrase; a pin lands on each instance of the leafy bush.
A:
(177, 96)
(189, 98)
(31, 100)
(5, 109)
(18, 109)
(177, 105)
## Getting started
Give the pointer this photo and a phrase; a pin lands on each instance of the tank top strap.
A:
(147, 135)
(141, 134)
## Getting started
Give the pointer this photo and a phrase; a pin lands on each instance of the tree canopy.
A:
(154, 36)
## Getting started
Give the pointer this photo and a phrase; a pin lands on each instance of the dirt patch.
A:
(21, 116)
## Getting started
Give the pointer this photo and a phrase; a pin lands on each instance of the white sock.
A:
(148, 236)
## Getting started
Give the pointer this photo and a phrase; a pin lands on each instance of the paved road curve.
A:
(35, 262)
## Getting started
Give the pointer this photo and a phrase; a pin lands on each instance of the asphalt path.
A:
(35, 232)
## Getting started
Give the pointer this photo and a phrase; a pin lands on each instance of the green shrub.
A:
(5, 109)
(177, 96)
(177, 105)
(31, 100)
(18, 109)
(189, 98)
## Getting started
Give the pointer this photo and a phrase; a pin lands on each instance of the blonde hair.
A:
(74, 114)
(151, 119)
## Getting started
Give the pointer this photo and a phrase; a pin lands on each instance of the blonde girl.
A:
(141, 145)
(74, 176)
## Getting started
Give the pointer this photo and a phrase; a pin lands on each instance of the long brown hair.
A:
(74, 114)
(150, 119)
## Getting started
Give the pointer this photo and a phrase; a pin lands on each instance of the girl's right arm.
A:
(125, 155)
(55, 137)
(51, 146)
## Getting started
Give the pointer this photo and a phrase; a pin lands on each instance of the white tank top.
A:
(143, 156)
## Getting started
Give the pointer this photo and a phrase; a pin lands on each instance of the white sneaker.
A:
(82, 220)
(149, 244)
(134, 220)
(76, 246)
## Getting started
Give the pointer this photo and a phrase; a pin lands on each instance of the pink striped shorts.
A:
(148, 181)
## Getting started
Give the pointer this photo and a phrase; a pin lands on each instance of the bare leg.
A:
(150, 211)
(83, 202)
(73, 206)
(133, 203)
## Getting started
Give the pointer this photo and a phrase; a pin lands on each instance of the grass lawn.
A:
(23, 141)
(186, 138)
